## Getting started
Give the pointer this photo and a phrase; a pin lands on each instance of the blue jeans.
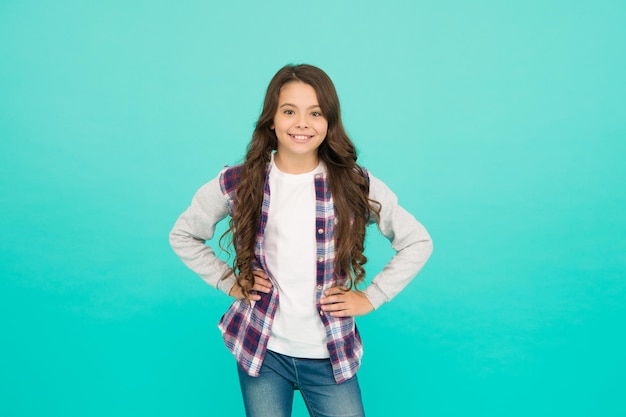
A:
(271, 393)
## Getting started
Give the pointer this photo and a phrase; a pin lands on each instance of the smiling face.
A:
(300, 128)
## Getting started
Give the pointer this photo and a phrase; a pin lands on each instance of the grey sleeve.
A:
(197, 225)
(408, 238)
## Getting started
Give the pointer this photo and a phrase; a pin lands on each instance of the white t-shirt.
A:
(290, 248)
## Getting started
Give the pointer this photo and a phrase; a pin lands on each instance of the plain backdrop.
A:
(500, 125)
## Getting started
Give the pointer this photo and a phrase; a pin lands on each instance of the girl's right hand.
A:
(261, 284)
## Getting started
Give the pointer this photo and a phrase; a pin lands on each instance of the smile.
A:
(300, 138)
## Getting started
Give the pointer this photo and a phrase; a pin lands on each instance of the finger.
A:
(333, 299)
(340, 313)
(237, 293)
(259, 273)
(335, 291)
(254, 297)
(263, 285)
(263, 281)
(344, 310)
(336, 295)
(335, 307)
(262, 288)
(356, 305)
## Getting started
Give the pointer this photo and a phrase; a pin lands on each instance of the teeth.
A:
(300, 137)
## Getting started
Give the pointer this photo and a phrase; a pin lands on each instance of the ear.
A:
(272, 126)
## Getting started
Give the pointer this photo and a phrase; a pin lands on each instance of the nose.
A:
(302, 122)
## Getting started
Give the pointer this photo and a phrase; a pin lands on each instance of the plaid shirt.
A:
(246, 327)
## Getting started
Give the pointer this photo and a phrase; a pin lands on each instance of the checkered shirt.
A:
(246, 327)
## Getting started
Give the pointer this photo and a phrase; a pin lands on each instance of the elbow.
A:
(426, 246)
(429, 249)
(173, 240)
(176, 239)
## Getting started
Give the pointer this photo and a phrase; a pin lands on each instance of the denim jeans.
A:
(271, 393)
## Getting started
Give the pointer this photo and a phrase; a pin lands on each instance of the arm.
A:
(408, 238)
(197, 225)
(412, 244)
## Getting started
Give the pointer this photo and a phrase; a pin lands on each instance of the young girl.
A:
(299, 206)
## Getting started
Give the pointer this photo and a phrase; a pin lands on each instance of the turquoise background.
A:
(500, 125)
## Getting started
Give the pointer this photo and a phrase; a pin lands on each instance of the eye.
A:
(288, 111)
(316, 114)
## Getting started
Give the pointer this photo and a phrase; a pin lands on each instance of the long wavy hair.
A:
(348, 182)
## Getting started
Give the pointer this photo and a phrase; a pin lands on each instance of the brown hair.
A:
(348, 183)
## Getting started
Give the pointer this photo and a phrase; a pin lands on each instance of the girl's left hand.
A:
(341, 302)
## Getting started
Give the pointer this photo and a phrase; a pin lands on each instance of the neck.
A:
(297, 165)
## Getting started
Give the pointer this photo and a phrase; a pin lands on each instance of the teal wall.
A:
(501, 125)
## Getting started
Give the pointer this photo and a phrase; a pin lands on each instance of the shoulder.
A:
(379, 191)
(361, 172)
(229, 178)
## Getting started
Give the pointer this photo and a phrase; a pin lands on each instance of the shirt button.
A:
(320, 259)
(319, 287)
(321, 313)
(320, 231)
(318, 176)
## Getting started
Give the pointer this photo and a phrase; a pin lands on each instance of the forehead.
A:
(297, 92)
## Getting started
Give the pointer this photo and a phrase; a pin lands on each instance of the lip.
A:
(300, 138)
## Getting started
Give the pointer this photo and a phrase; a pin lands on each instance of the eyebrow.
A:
(293, 105)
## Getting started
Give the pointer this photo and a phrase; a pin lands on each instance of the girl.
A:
(298, 206)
